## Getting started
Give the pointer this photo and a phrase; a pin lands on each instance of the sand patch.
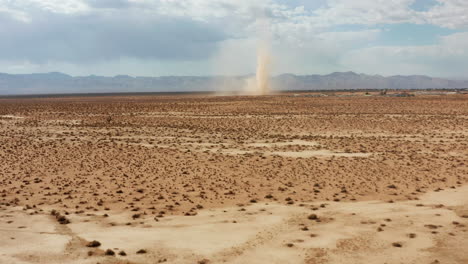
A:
(360, 232)
(11, 117)
(23, 236)
(315, 153)
(294, 154)
(295, 142)
(261, 148)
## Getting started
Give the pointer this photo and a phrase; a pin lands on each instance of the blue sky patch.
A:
(308, 4)
(402, 34)
(412, 34)
(423, 5)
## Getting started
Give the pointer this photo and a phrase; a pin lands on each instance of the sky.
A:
(221, 37)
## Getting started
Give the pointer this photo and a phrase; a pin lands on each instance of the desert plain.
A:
(345, 178)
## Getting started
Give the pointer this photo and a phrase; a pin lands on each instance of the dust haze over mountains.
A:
(58, 83)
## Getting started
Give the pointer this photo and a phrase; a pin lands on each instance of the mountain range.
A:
(59, 83)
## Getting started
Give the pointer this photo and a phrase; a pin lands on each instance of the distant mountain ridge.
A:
(60, 83)
(351, 80)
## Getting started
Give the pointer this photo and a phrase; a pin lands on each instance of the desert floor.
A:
(232, 179)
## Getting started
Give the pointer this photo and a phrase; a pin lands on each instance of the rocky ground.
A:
(187, 179)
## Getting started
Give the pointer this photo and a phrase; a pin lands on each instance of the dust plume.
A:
(239, 56)
(260, 84)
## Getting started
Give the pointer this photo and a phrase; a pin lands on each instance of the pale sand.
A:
(11, 117)
(347, 233)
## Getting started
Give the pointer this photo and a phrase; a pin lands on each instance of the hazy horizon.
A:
(58, 83)
(227, 75)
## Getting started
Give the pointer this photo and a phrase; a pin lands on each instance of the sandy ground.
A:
(430, 230)
(200, 179)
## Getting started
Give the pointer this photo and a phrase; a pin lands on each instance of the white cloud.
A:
(15, 14)
(448, 57)
(449, 13)
(320, 53)
(54, 6)
(366, 12)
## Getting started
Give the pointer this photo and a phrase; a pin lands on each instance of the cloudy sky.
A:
(206, 37)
